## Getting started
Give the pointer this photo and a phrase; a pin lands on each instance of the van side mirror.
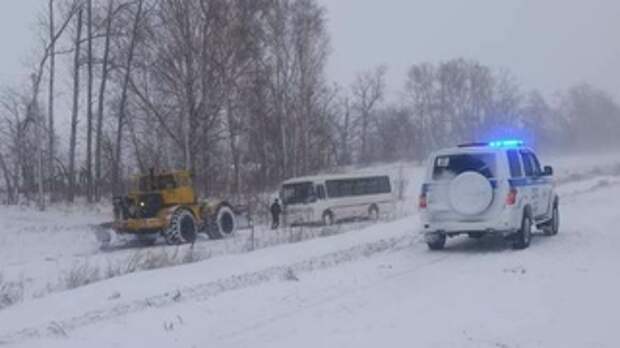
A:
(548, 171)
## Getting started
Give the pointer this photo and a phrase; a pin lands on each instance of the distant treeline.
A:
(236, 92)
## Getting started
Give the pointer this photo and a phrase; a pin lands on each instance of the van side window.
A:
(528, 164)
(320, 191)
(535, 164)
(514, 163)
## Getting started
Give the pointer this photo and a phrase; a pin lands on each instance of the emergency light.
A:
(506, 143)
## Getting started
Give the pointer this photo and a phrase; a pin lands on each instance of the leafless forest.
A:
(236, 91)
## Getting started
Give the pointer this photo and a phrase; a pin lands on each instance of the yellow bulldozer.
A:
(166, 204)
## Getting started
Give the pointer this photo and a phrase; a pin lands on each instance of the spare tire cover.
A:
(470, 193)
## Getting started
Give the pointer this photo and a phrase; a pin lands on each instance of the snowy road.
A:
(562, 291)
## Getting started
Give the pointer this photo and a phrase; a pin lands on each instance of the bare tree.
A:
(101, 98)
(50, 104)
(20, 128)
(54, 34)
(74, 111)
(89, 102)
(592, 115)
(39, 125)
(123, 102)
(454, 101)
(343, 126)
(368, 90)
(8, 183)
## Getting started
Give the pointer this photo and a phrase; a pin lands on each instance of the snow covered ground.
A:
(367, 285)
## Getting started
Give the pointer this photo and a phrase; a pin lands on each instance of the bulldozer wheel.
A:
(223, 223)
(182, 228)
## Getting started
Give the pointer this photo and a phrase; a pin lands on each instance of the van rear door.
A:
(462, 186)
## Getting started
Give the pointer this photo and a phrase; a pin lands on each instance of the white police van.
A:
(487, 188)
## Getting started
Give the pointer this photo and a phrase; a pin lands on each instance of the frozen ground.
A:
(368, 285)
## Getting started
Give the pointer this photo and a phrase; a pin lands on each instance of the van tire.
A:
(523, 237)
(373, 213)
(437, 243)
(552, 227)
(328, 218)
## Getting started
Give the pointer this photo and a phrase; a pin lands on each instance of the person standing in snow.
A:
(276, 210)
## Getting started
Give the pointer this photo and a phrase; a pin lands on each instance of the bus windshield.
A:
(302, 192)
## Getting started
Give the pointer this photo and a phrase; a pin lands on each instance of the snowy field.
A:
(359, 285)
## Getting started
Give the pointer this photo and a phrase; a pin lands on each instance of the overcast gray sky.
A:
(17, 19)
(548, 44)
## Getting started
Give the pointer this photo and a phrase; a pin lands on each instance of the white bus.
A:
(329, 198)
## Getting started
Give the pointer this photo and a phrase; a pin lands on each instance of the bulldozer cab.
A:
(174, 187)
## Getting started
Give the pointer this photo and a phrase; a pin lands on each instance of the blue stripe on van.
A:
(518, 182)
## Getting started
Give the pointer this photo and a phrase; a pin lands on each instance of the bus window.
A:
(296, 193)
(358, 186)
(385, 185)
(320, 191)
(333, 188)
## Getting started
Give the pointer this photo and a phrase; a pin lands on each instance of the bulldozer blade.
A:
(104, 234)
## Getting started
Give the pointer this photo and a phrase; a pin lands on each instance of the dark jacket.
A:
(276, 209)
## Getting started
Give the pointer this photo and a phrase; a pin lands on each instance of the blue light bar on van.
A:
(506, 143)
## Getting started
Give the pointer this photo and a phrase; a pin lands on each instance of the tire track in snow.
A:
(334, 297)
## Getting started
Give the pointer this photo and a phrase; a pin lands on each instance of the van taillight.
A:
(512, 196)
(422, 203)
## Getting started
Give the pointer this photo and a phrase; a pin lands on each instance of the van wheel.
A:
(373, 213)
(436, 242)
(328, 218)
(552, 227)
(524, 235)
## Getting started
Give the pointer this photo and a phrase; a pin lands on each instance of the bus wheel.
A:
(373, 213)
(328, 218)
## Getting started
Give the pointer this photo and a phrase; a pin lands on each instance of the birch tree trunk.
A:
(89, 105)
(50, 103)
(74, 111)
(123, 102)
(7, 180)
(100, 101)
